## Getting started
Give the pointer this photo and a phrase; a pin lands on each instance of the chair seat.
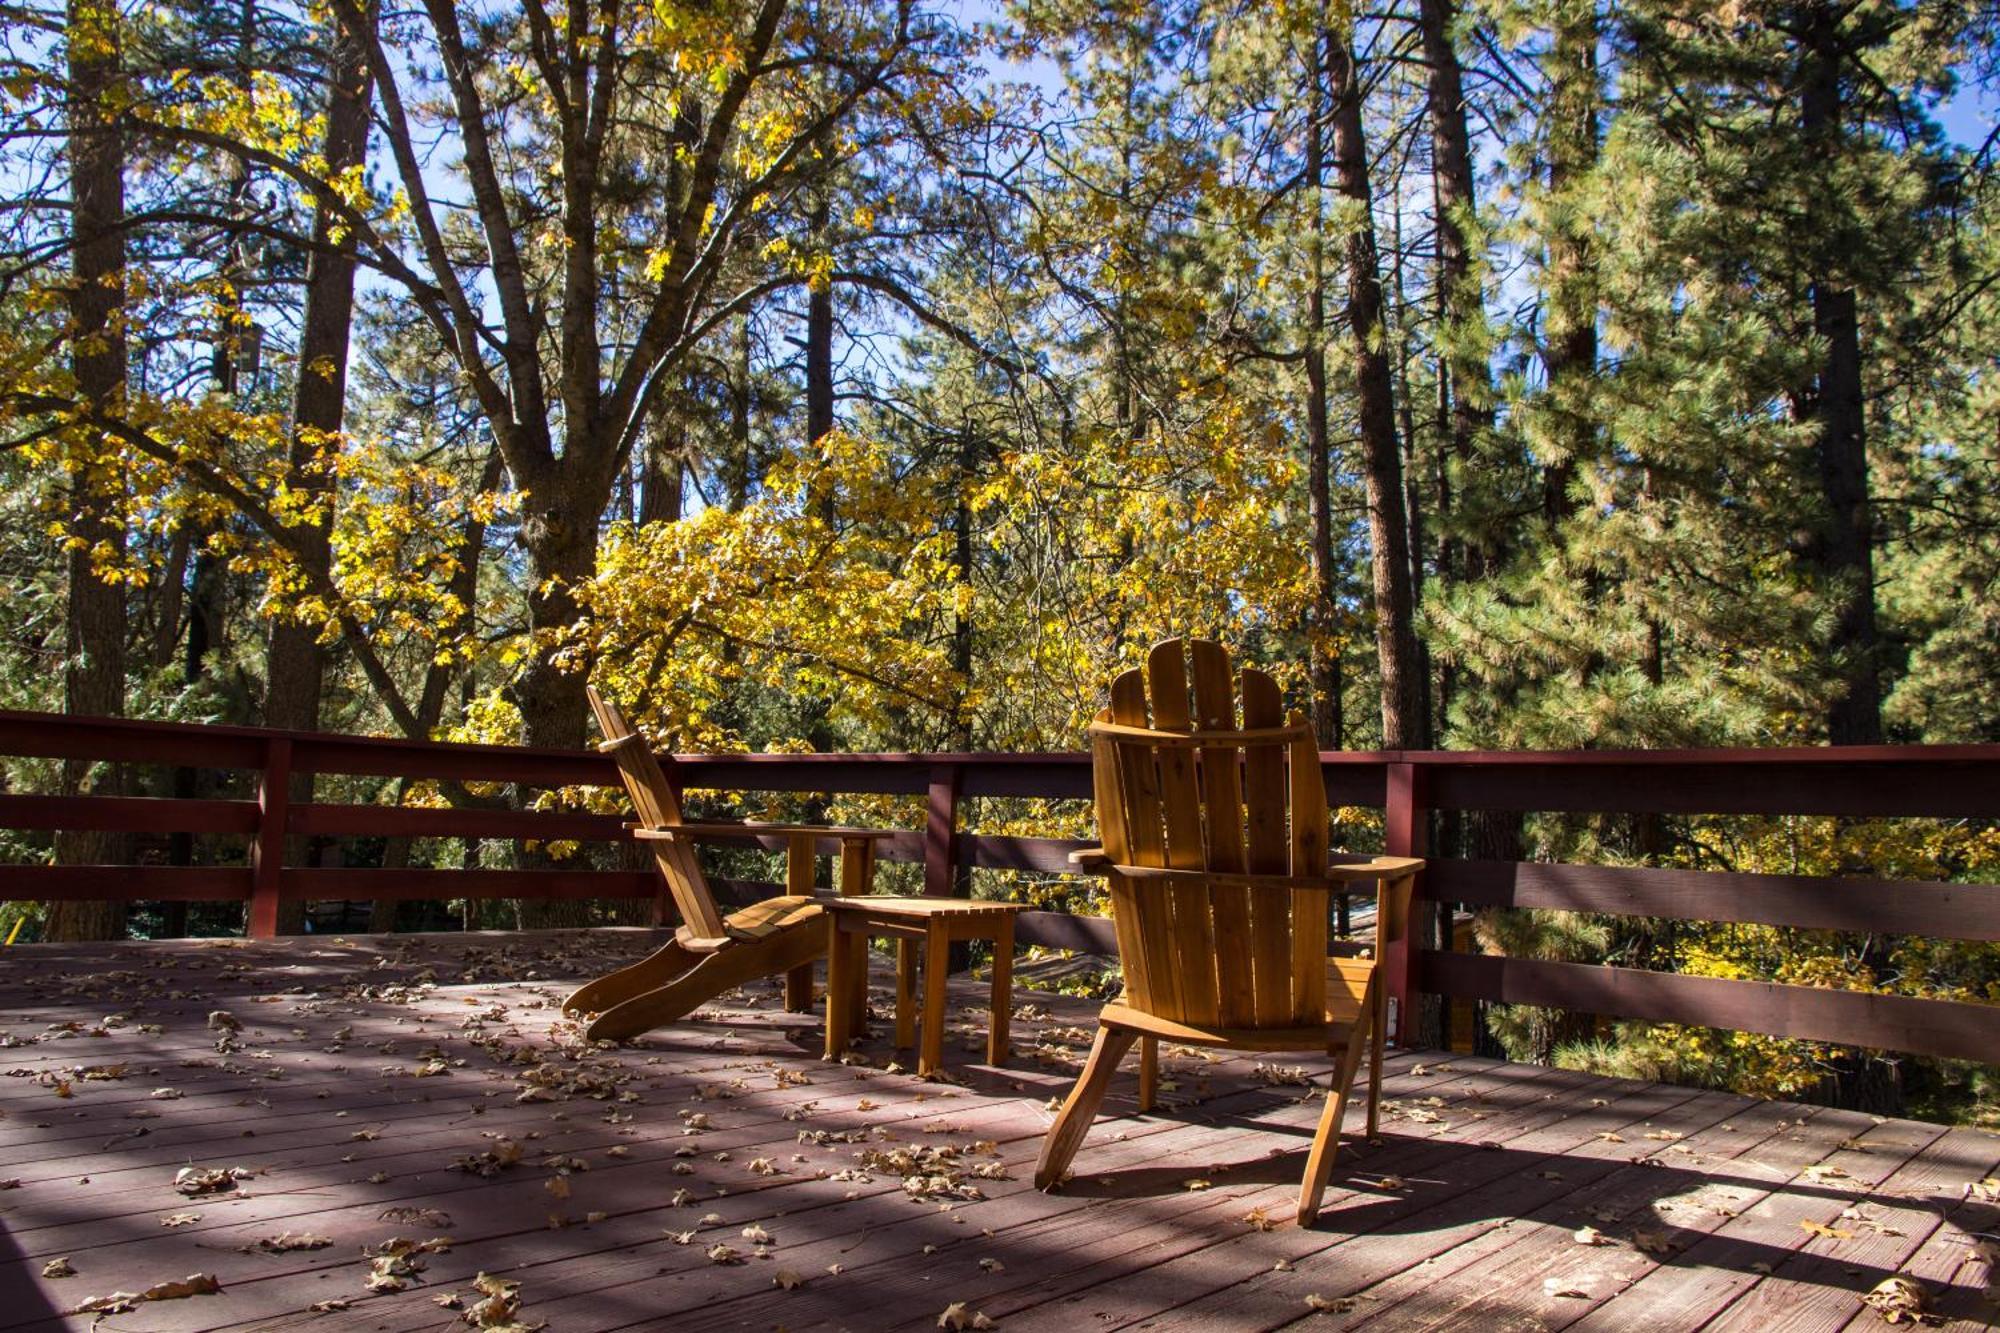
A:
(1330, 1035)
(771, 915)
(760, 920)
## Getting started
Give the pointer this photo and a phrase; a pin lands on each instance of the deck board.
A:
(329, 1092)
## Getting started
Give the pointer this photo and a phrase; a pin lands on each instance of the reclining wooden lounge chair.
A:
(710, 952)
(1215, 842)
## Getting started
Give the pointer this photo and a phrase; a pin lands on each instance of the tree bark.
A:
(1843, 546)
(665, 467)
(1382, 462)
(550, 695)
(94, 658)
(740, 468)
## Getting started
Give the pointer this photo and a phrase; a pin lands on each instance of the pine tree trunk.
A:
(740, 467)
(1322, 628)
(94, 658)
(1570, 335)
(962, 557)
(294, 660)
(1382, 462)
(819, 352)
(1464, 377)
(1844, 544)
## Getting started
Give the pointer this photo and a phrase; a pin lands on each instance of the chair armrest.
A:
(1336, 877)
(1374, 867)
(1157, 873)
(665, 833)
(1090, 858)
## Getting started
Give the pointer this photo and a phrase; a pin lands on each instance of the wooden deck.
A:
(354, 1081)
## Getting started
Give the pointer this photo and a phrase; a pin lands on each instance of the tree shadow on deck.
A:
(1126, 1241)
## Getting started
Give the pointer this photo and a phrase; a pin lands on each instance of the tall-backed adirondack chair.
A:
(711, 952)
(1215, 844)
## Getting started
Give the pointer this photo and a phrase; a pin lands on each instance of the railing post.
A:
(1405, 826)
(941, 833)
(267, 853)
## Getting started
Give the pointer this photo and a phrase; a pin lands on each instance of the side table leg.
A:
(839, 991)
(998, 1037)
(906, 993)
(857, 977)
(937, 970)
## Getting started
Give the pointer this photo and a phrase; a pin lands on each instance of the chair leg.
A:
(799, 989)
(1080, 1108)
(906, 994)
(1326, 1140)
(1376, 1040)
(722, 970)
(656, 969)
(1149, 1073)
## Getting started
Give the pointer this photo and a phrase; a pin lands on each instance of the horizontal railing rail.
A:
(1950, 782)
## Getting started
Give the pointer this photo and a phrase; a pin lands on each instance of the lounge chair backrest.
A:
(1233, 932)
(658, 807)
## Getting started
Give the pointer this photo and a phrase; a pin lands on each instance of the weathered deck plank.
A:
(355, 1072)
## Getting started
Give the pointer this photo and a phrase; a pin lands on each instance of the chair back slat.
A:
(657, 806)
(1212, 953)
(1227, 906)
(1145, 842)
(1106, 787)
(1267, 852)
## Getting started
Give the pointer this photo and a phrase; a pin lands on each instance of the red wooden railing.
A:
(1955, 782)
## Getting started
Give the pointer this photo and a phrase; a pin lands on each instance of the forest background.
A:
(884, 375)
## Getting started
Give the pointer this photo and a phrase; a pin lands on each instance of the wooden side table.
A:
(933, 923)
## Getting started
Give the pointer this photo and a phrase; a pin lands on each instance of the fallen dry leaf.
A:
(118, 1302)
(194, 1181)
(500, 1310)
(286, 1241)
(1589, 1236)
(1820, 1229)
(1329, 1304)
(787, 1279)
(1899, 1300)
(958, 1316)
(1652, 1242)
(58, 1268)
